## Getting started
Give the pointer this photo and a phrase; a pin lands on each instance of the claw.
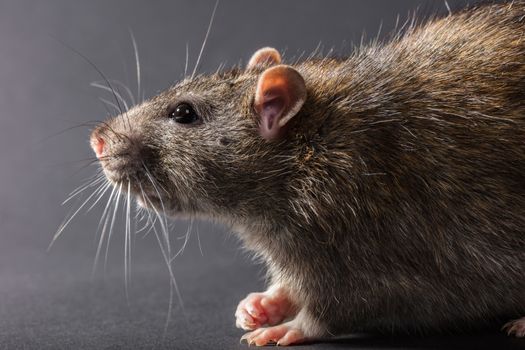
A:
(268, 308)
(515, 327)
(282, 335)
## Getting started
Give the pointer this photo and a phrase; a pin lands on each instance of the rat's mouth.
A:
(146, 195)
(143, 187)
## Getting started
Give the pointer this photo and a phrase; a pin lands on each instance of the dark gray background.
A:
(50, 300)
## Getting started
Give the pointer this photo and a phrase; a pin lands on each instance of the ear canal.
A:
(280, 94)
(267, 56)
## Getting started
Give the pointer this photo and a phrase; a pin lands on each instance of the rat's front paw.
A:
(268, 308)
(516, 327)
(281, 335)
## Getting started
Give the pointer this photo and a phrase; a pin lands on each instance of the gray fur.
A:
(396, 202)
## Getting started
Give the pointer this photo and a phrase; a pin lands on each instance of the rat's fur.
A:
(396, 202)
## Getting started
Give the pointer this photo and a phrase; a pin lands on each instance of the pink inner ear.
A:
(270, 113)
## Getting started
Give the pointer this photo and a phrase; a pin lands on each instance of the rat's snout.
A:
(97, 143)
(122, 152)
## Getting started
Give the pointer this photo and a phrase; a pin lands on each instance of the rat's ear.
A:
(267, 56)
(280, 94)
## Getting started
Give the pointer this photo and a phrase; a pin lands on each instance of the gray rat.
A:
(385, 191)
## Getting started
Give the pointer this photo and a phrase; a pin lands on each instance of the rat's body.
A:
(386, 191)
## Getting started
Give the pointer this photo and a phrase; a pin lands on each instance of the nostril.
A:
(97, 143)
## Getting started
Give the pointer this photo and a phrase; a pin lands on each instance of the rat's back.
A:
(422, 145)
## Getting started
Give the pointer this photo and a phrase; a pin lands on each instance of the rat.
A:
(385, 191)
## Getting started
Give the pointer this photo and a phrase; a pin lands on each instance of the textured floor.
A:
(50, 301)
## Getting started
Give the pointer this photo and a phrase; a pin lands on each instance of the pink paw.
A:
(268, 308)
(281, 335)
(516, 327)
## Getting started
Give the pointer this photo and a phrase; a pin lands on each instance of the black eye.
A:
(183, 113)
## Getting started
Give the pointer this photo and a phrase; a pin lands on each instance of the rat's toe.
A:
(250, 314)
(269, 308)
(245, 321)
(282, 335)
(515, 327)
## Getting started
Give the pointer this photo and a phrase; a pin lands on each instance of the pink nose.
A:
(97, 143)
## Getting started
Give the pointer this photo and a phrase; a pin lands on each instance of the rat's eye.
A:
(183, 113)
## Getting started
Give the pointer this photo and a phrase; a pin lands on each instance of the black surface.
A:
(52, 300)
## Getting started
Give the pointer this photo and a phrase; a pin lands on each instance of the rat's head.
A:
(211, 144)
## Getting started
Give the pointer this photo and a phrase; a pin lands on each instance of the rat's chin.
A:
(154, 202)
(145, 196)
(116, 177)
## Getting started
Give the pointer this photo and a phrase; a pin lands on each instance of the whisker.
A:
(94, 180)
(137, 63)
(186, 239)
(127, 246)
(104, 104)
(110, 233)
(125, 87)
(119, 96)
(90, 123)
(198, 238)
(63, 226)
(149, 220)
(94, 66)
(173, 281)
(119, 136)
(92, 162)
(147, 225)
(152, 223)
(205, 39)
(140, 216)
(110, 104)
(104, 218)
(186, 64)
(89, 161)
(164, 223)
(128, 91)
(102, 191)
(165, 252)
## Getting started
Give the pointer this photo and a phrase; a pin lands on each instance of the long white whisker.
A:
(186, 64)
(151, 222)
(102, 75)
(117, 199)
(67, 221)
(198, 238)
(119, 96)
(137, 63)
(99, 178)
(186, 239)
(205, 39)
(127, 246)
(166, 252)
(173, 281)
(104, 218)
(140, 216)
(110, 104)
(164, 223)
(127, 89)
(148, 224)
(102, 190)
(122, 85)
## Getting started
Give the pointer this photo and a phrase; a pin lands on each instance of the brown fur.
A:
(397, 200)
